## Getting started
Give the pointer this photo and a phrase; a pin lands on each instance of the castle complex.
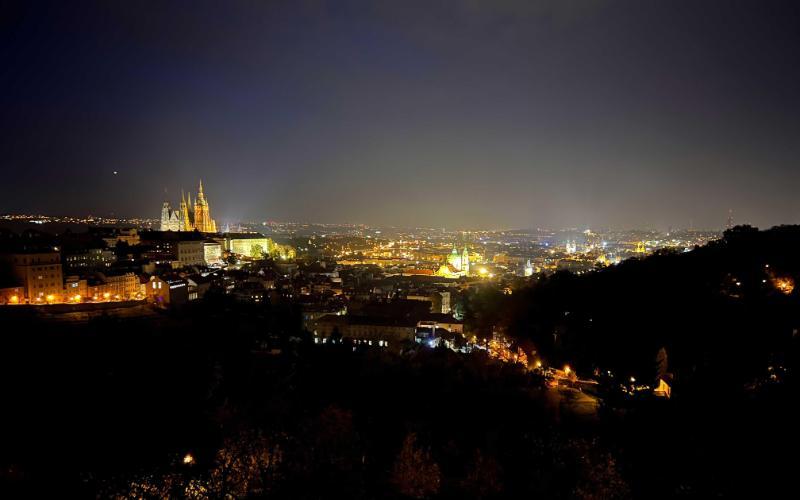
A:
(184, 219)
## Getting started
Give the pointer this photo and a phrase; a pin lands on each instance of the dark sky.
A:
(466, 114)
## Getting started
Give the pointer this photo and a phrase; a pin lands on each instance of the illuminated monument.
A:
(185, 220)
(457, 264)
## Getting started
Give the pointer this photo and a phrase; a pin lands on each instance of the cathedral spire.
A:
(201, 197)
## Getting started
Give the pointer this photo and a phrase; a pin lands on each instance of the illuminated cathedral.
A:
(457, 264)
(188, 218)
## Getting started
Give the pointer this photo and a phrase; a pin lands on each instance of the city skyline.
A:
(149, 219)
(504, 114)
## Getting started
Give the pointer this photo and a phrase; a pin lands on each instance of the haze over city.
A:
(463, 115)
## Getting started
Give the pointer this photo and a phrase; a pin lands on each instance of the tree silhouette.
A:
(484, 477)
(414, 473)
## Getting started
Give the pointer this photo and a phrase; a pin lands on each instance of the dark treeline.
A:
(718, 311)
(110, 409)
(719, 322)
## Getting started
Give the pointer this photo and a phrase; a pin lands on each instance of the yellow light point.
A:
(538, 364)
(567, 369)
(188, 459)
(50, 298)
(77, 298)
(483, 271)
(14, 299)
(106, 295)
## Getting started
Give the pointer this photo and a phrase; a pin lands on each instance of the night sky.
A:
(460, 114)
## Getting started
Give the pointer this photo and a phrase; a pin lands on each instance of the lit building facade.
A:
(190, 253)
(212, 253)
(92, 258)
(12, 295)
(128, 235)
(39, 275)
(380, 332)
(167, 292)
(255, 246)
(124, 286)
(75, 288)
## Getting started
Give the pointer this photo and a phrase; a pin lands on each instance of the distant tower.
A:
(165, 211)
(465, 261)
(730, 219)
(186, 221)
(528, 271)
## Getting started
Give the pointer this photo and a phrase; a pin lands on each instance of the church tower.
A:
(454, 259)
(165, 210)
(202, 213)
(465, 261)
(186, 222)
(169, 218)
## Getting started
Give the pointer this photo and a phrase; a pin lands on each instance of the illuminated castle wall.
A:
(185, 220)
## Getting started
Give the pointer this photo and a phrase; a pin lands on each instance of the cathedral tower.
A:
(202, 213)
(169, 218)
(165, 210)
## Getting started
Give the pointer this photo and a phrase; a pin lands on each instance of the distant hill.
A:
(724, 312)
